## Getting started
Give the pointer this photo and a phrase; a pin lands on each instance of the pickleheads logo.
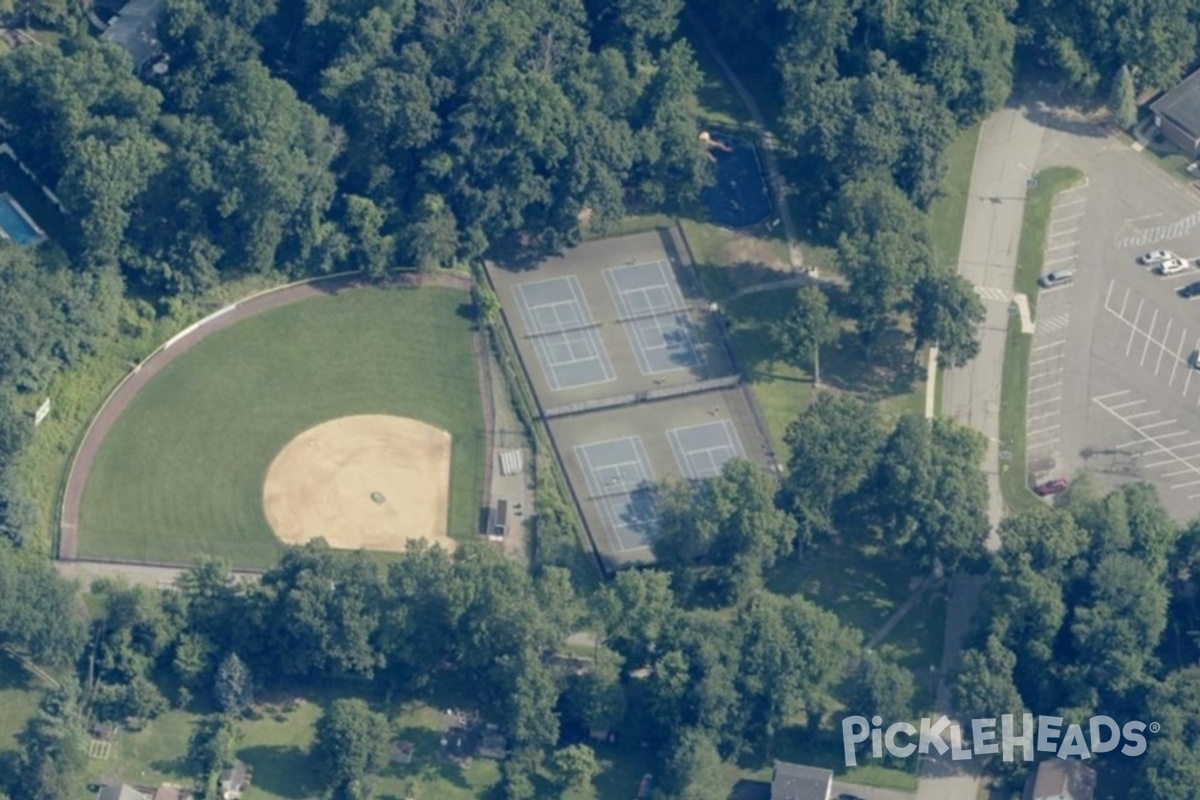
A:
(1048, 735)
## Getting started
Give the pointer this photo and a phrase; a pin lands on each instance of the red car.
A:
(1051, 487)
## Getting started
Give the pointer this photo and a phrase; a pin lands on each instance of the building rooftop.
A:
(1181, 105)
(797, 782)
(1060, 779)
(135, 29)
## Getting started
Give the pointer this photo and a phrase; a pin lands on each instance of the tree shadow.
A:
(427, 762)
(281, 770)
(886, 370)
(750, 790)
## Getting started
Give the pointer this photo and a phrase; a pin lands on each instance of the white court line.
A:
(1146, 436)
(1044, 402)
(1047, 346)
(1158, 363)
(1133, 328)
(1044, 388)
(1150, 335)
(1113, 394)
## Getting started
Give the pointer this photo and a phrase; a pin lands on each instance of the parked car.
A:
(1190, 291)
(1056, 278)
(1194, 359)
(1172, 266)
(1155, 257)
(844, 796)
(1051, 487)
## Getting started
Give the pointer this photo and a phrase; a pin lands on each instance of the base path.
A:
(127, 389)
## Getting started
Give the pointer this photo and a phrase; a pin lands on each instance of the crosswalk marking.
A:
(1172, 230)
(991, 293)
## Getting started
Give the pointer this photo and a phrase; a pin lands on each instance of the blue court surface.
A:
(15, 224)
(564, 335)
(651, 306)
(702, 450)
(739, 198)
(620, 482)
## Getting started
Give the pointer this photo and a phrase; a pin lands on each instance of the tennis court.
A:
(702, 450)
(563, 332)
(620, 483)
(651, 306)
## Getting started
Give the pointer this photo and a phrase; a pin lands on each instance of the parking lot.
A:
(1112, 383)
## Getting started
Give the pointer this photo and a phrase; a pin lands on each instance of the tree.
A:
(948, 314)
(983, 684)
(638, 611)
(1123, 101)
(53, 754)
(575, 766)
(234, 685)
(805, 328)
(692, 771)
(885, 689)
(833, 445)
(351, 743)
(212, 747)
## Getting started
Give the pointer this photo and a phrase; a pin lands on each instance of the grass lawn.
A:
(180, 474)
(949, 209)
(1030, 252)
(889, 377)
(19, 697)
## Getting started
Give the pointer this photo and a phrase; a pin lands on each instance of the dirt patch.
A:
(743, 249)
(370, 482)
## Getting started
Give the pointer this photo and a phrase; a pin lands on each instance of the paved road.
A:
(1008, 151)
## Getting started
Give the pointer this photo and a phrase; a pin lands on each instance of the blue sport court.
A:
(651, 306)
(16, 225)
(621, 483)
(702, 450)
(559, 322)
(740, 197)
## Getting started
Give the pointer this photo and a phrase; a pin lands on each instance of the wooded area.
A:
(290, 140)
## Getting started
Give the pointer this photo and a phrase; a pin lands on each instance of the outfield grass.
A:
(181, 473)
(1014, 486)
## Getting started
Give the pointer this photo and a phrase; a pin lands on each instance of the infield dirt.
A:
(369, 481)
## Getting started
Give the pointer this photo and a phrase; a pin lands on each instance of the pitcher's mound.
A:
(370, 482)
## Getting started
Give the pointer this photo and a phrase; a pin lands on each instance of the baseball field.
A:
(354, 416)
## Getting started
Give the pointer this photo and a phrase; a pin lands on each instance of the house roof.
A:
(1059, 777)
(168, 791)
(135, 29)
(1181, 105)
(234, 777)
(119, 791)
(797, 782)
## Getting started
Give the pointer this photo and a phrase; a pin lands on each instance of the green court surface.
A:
(181, 473)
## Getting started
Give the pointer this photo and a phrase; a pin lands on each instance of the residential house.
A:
(797, 782)
(234, 780)
(1060, 779)
(1177, 114)
(135, 29)
(120, 791)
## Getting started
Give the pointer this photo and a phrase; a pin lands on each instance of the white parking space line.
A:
(1066, 219)
(1045, 360)
(1143, 414)
(1159, 436)
(1048, 346)
(1179, 350)
(1112, 394)
(1059, 246)
(1071, 202)
(1162, 350)
(1141, 431)
(1047, 415)
(1047, 429)
(1046, 388)
(1045, 402)
(1133, 329)
(1130, 403)
(1043, 446)
(1149, 336)
(1158, 424)
(1056, 234)
(1054, 261)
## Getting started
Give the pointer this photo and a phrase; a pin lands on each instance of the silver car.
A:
(1056, 278)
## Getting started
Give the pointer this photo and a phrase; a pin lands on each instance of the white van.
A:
(1056, 278)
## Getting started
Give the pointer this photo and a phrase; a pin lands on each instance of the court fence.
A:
(549, 472)
(661, 393)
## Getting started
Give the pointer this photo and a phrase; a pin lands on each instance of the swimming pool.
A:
(15, 224)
